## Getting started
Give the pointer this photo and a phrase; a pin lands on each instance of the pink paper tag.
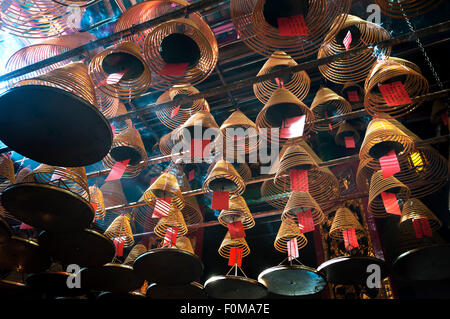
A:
(293, 127)
(348, 40)
(349, 142)
(25, 226)
(191, 175)
(390, 203)
(177, 69)
(389, 164)
(113, 78)
(292, 248)
(175, 111)
(305, 221)
(292, 26)
(117, 171)
(350, 240)
(395, 94)
(170, 239)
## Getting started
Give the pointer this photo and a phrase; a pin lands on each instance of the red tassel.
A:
(236, 230)
(305, 221)
(350, 240)
(220, 200)
(292, 247)
(299, 180)
(235, 257)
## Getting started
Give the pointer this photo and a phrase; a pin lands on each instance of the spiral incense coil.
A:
(228, 243)
(166, 144)
(383, 135)
(137, 250)
(6, 172)
(256, 23)
(298, 83)
(97, 198)
(301, 202)
(184, 243)
(237, 211)
(166, 185)
(143, 216)
(288, 230)
(407, 8)
(282, 105)
(113, 194)
(224, 178)
(107, 105)
(120, 227)
(194, 36)
(243, 170)
(346, 130)
(328, 104)
(356, 67)
(202, 119)
(185, 111)
(274, 195)
(378, 185)
(128, 145)
(174, 219)
(123, 57)
(345, 219)
(78, 3)
(73, 179)
(415, 209)
(124, 124)
(351, 86)
(389, 71)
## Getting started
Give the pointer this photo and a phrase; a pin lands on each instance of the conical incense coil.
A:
(123, 57)
(274, 195)
(73, 179)
(224, 178)
(195, 37)
(237, 211)
(328, 104)
(382, 136)
(166, 185)
(122, 124)
(343, 220)
(192, 213)
(97, 198)
(166, 144)
(379, 185)
(356, 67)
(346, 130)
(282, 105)
(6, 172)
(128, 145)
(415, 209)
(174, 219)
(256, 23)
(288, 230)
(107, 105)
(113, 194)
(407, 8)
(121, 228)
(298, 83)
(143, 216)
(184, 243)
(390, 71)
(228, 243)
(137, 250)
(301, 202)
(202, 119)
(167, 115)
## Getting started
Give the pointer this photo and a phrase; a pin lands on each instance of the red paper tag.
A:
(280, 82)
(292, 248)
(395, 94)
(236, 230)
(170, 239)
(235, 256)
(293, 127)
(350, 240)
(389, 164)
(305, 221)
(390, 203)
(349, 142)
(177, 69)
(119, 243)
(353, 96)
(191, 175)
(199, 148)
(422, 227)
(348, 40)
(25, 226)
(417, 228)
(162, 207)
(299, 180)
(175, 111)
(117, 170)
(444, 117)
(292, 26)
(220, 200)
(94, 206)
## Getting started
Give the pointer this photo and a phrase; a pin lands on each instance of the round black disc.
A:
(5, 231)
(192, 290)
(176, 43)
(110, 277)
(350, 270)
(234, 287)
(86, 248)
(53, 126)
(53, 283)
(425, 263)
(47, 207)
(120, 61)
(293, 280)
(107, 295)
(168, 266)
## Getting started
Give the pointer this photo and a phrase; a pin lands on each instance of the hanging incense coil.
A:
(143, 216)
(78, 3)
(407, 8)
(301, 202)
(243, 170)
(351, 86)
(382, 136)
(166, 185)
(184, 243)
(356, 67)
(345, 219)
(174, 219)
(113, 194)
(274, 195)
(328, 104)
(97, 198)
(288, 230)
(202, 119)
(123, 57)
(282, 105)
(186, 110)
(298, 83)
(256, 23)
(194, 38)
(415, 209)
(107, 105)
(237, 211)
(6, 172)
(73, 179)
(128, 145)
(378, 185)
(123, 124)
(166, 144)
(137, 250)
(228, 243)
(121, 228)
(389, 71)
(346, 130)
(224, 178)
